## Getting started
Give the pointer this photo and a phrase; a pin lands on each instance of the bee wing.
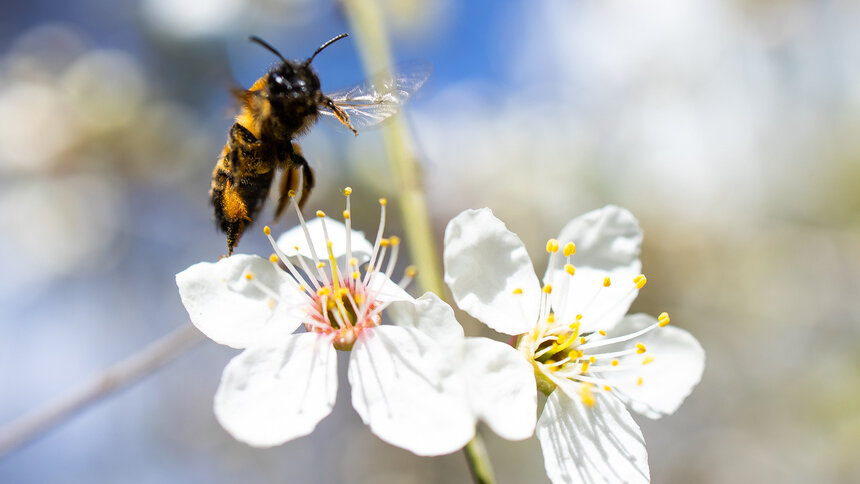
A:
(375, 101)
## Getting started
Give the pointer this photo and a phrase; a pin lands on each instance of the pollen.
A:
(274, 258)
(320, 214)
(578, 317)
(584, 366)
(550, 318)
(582, 340)
(320, 265)
(602, 333)
(548, 289)
(607, 388)
(395, 240)
(384, 242)
(347, 191)
(267, 230)
(640, 281)
(356, 275)
(271, 303)
(640, 348)
(648, 359)
(606, 281)
(346, 214)
(592, 360)
(614, 363)
(663, 319)
(570, 269)
(249, 276)
(410, 271)
(639, 381)
(517, 291)
(291, 193)
(383, 201)
(586, 395)
(323, 291)
(353, 262)
(552, 246)
(569, 249)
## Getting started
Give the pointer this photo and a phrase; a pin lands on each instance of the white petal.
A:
(231, 310)
(406, 391)
(607, 238)
(295, 237)
(484, 263)
(271, 394)
(679, 361)
(583, 293)
(501, 387)
(385, 290)
(596, 444)
(430, 315)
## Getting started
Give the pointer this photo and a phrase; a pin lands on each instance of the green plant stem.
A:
(368, 23)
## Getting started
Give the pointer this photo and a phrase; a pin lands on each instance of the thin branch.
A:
(33, 425)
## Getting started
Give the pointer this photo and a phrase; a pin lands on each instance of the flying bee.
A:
(279, 107)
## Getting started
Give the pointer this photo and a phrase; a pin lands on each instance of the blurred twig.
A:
(368, 22)
(124, 373)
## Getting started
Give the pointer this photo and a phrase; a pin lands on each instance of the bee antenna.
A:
(265, 44)
(332, 41)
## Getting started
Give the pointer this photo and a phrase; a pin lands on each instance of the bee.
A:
(280, 106)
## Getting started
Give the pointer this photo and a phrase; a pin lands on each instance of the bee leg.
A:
(299, 161)
(289, 182)
(340, 114)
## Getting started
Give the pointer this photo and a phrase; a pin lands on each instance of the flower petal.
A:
(295, 237)
(585, 444)
(501, 387)
(231, 309)
(430, 315)
(484, 264)
(584, 293)
(606, 238)
(271, 394)
(677, 367)
(408, 392)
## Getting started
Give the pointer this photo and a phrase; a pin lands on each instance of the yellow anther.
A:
(320, 265)
(302, 288)
(343, 292)
(346, 214)
(614, 363)
(383, 201)
(606, 281)
(320, 214)
(267, 230)
(296, 247)
(578, 353)
(291, 193)
(550, 318)
(569, 249)
(639, 381)
(548, 289)
(582, 340)
(273, 258)
(395, 240)
(384, 242)
(592, 360)
(578, 317)
(356, 275)
(570, 269)
(410, 271)
(359, 298)
(353, 262)
(517, 291)
(574, 326)
(271, 303)
(249, 276)
(640, 348)
(663, 319)
(347, 191)
(323, 291)
(584, 366)
(640, 281)
(602, 333)
(586, 395)
(552, 246)
(648, 359)
(607, 388)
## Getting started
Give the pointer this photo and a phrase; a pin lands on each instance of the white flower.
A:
(588, 357)
(408, 381)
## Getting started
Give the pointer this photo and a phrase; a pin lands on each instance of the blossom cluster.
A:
(419, 383)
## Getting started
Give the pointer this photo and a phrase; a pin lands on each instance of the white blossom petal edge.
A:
(586, 355)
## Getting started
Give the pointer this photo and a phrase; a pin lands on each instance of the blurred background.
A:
(730, 128)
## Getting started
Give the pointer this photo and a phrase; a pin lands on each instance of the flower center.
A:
(559, 348)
